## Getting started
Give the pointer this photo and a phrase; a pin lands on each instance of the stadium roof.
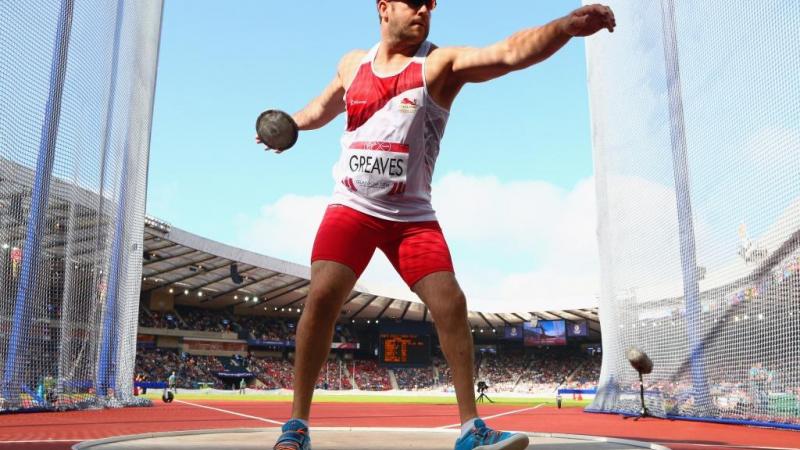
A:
(198, 270)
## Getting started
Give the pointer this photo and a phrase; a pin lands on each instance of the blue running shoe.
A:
(295, 436)
(482, 437)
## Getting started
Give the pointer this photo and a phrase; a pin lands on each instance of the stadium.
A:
(120, 329)
(248, 308)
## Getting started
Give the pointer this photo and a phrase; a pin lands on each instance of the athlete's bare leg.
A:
(331, 282)
(448, 306)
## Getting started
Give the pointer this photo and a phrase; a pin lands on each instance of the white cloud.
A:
(517, 246)
(548, 233)
(284, 229)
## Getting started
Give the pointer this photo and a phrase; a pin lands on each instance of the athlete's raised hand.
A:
(588, 20)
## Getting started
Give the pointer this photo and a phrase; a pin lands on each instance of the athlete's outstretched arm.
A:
(326, 106)
(527, 47)
(330, 103)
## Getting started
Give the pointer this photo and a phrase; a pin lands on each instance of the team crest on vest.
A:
(408, 105)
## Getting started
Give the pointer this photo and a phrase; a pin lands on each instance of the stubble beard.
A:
(406, 35)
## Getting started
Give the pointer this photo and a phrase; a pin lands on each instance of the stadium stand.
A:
(277, 373)
(334, 376)
(199, 319)
(156, 320)
(415, 378)
(191, 370)
(369, 376)
(511, 369)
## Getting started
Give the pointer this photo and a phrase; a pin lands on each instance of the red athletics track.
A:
(32, 431)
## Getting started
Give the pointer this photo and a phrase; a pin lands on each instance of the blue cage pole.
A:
(14, 367)
(680, 167)
(106, 368)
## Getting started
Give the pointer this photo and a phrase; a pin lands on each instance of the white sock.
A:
(467, 426)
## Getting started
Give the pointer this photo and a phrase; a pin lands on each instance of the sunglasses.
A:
(417, 4)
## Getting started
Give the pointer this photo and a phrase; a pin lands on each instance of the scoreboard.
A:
(405, 349)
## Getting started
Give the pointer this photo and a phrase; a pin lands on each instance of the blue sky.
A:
(516, 153)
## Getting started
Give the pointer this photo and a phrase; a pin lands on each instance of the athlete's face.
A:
(408, 20)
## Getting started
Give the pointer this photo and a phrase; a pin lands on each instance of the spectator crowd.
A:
(513, 371)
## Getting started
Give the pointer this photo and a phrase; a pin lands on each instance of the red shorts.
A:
(350, 237)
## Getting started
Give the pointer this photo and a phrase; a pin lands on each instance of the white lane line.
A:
(748, 447)
(494, 416)
(274, 422)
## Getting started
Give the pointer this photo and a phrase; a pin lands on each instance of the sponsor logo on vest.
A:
(408, 106)
(358, 102)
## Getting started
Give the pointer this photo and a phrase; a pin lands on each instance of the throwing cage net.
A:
(696, 135)
(77, 79)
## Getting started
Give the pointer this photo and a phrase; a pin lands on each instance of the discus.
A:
(276, 129)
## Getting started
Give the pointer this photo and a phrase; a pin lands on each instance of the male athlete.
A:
(397, 97)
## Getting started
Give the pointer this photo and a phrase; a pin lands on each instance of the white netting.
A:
(696, 134)
(76, 90)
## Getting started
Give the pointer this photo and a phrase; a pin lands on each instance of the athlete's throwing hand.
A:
(267, 147)
(588, 20)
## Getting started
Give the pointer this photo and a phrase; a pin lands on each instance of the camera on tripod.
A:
(482, 388)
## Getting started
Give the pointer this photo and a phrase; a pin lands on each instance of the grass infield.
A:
(155, 395)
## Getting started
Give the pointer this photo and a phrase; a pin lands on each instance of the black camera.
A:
(482, 388)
